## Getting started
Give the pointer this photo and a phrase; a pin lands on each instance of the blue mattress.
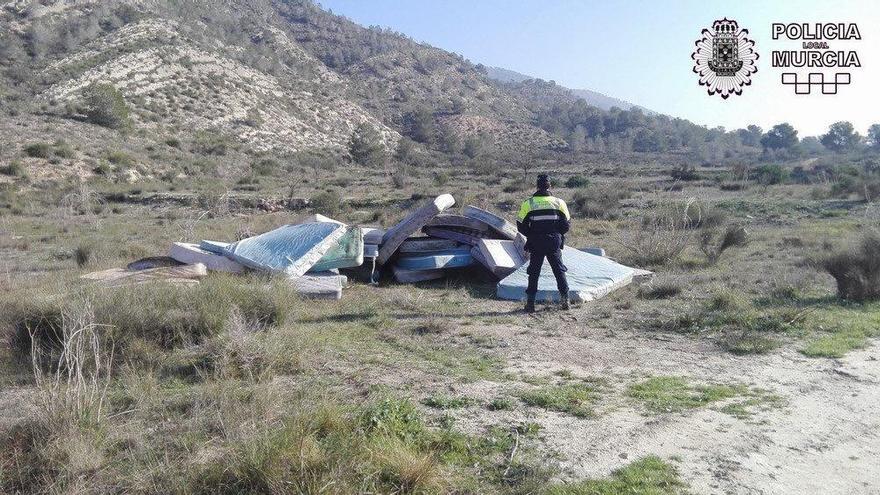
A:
(589, 277)
(448, 258)
(291, 249)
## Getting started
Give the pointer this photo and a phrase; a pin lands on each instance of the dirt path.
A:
(825, 439)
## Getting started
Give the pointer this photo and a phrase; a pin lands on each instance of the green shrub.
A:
(265, 167)
(38, 150)
(685, 173)
(105, 106)
(210, 143)
(14, 169)
(576, 181)
(328, 202)
(770, 174)
(599, 201)
(63, 149)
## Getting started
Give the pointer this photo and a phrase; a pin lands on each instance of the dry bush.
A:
(74, 388)
(713, 245)
(660, 238)
(856, 269)
(599, 201)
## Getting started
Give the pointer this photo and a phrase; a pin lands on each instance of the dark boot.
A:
(564, 304)
(530, 304)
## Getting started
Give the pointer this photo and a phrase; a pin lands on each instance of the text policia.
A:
(815, 51)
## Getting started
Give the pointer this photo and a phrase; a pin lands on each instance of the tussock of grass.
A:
(647, 476)
(571, 398)
(663, 394)
(441, 401)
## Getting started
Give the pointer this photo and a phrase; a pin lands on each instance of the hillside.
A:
(593, 98)
(280, 76)
(213, 84)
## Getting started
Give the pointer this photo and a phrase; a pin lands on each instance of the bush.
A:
(576, 181)
(329, 203)
(265, 166)
(857, 269)
(714, 246)
(769, 175)
(38, 150)
(210, 143)
(84, 254)
(63, 149)
(105, 106)
(366, 146)
(685, 173)
(598, 201)
(660, 239)
(14, 169)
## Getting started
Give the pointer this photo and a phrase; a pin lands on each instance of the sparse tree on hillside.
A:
(405, 150)
(458, 106)
(366, 146)
(647, 140)
(841, 137)
(105, 106)
(874, 137)
(419, 125)
(780, 137)
(750, 136)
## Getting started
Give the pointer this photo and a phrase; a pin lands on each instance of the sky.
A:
(639, 51)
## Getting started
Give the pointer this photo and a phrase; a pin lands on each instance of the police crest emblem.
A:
(725, 58)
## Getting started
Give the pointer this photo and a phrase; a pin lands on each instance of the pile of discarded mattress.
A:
(426, 245)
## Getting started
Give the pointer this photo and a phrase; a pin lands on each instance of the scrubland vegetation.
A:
(764, 247)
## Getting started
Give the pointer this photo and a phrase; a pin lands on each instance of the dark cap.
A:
(543, 181)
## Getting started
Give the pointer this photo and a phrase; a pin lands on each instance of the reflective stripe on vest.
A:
(544, 217)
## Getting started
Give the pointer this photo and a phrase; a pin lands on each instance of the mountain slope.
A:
(594, 98)
(283, 76)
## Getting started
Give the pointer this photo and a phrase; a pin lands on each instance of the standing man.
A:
(544, 220)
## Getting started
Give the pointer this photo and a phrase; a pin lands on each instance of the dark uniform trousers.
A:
(547, 246)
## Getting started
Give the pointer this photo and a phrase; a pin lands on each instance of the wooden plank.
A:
(413, 222)
(506, 229)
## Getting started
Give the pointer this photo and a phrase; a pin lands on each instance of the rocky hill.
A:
(235, 81)
(282, 76)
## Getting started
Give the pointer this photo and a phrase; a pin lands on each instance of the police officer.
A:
(544, 220)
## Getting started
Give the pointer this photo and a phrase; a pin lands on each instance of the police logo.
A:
(725, 58)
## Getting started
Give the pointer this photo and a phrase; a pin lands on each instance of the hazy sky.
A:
(640, 51)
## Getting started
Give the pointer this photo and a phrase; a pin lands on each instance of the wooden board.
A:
(413, 222)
